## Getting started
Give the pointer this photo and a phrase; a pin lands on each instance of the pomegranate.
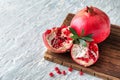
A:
(93, 21)
(85, 55)
(58, 39)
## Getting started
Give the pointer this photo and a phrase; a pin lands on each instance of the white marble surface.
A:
(22, 23)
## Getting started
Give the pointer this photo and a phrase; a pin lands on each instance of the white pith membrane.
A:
(80, 51)
(65, 44)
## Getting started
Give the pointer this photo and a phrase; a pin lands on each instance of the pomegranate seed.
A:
(90, 47)
(91, 56)
(48, 31)
(51, 74)
(56, 69)
(86, 60)
(81, 73)
(70, 69)
(57, 41)
(67, 32)
(69, 38)
(95, 48)
(63, 72)
(63, 26)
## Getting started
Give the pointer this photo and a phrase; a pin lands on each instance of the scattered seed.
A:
(70, 69)
(81, 73)
(56, 69)
(59, 72)
(51, 74)
(63, 72)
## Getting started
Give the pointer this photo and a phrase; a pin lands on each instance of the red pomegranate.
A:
(85, 55)
(93, 21)
(58, 39)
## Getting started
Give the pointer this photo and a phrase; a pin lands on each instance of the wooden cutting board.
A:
(108, 64)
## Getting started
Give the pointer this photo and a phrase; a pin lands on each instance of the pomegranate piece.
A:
(85, 55)
(58, 39)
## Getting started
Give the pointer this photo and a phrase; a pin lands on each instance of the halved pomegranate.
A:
(85, 55)
(58, 39)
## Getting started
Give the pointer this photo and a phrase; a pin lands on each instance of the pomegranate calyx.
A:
(89, 9)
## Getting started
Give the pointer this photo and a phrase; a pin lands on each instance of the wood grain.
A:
(108, 65)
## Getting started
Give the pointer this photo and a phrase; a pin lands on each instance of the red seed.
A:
(70, 69)
(63, 26)
(67, 32)
(56, 69)
(48, 31)
(91, 56)
(90, 47)
(63, 72)
(69, 38)
(81, 73)
(86, 60)
(93, 47)
(51, 74)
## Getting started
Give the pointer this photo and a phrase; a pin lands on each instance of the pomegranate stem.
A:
(89, 9)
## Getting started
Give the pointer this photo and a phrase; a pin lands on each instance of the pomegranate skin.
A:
(93, 21)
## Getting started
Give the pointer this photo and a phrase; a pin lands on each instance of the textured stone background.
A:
(22, 23)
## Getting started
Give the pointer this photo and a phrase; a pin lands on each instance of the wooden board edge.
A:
(86, 70)
(68, 19)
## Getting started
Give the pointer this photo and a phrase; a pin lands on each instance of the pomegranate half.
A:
(58, 39)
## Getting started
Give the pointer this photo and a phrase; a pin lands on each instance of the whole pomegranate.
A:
(93, 21)
(58, 39)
